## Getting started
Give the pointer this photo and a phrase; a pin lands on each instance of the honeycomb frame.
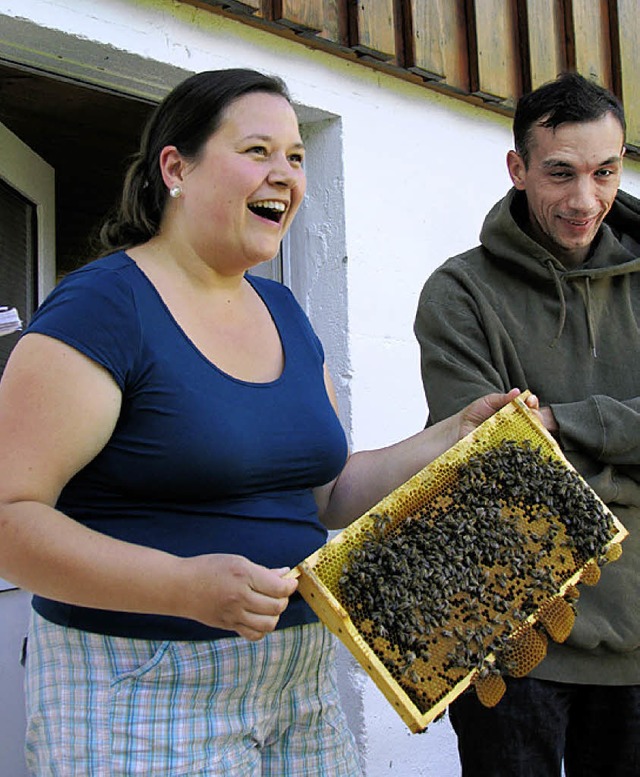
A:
(320, 573)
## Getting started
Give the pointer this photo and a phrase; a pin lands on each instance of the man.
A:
(550, 301)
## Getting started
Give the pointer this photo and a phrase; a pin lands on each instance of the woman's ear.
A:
(171, 166)
(517, 169)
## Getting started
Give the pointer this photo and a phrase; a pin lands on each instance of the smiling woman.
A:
(187, 491)
(181, 454)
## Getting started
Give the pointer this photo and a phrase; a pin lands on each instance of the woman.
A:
(178, 453)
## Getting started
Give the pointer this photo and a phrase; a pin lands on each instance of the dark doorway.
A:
(86, 134)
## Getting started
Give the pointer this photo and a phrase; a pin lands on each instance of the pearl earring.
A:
(175, 192)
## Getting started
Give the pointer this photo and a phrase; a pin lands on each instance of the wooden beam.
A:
(544, 23)
(626, 32)
(235, 6)
(590, 20)
(373, 29)
(438, 45)
(495, 50)
(302, 15)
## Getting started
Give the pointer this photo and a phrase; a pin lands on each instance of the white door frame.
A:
(34, 178)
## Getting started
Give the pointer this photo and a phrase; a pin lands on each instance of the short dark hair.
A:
(570, 98)
(186, 119)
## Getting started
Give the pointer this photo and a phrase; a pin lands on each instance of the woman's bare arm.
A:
(368, 476)
(57, 411)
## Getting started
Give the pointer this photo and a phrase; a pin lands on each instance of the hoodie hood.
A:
(616, 251)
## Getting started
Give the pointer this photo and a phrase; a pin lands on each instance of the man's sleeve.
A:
(606, 428)
(463, 357)
(455, 355)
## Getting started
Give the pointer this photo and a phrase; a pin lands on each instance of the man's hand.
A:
(549, 420)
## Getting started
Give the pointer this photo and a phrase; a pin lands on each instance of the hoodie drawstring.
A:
(590, 326)
(563, 308)
(563, 304)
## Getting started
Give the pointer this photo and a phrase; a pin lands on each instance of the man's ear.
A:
(517, 169)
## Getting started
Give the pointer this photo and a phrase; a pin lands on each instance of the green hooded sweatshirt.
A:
(508, 314)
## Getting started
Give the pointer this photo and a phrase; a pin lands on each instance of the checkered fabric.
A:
(100, 706)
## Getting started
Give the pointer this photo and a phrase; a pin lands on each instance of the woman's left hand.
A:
(478, 411)
(370, 475)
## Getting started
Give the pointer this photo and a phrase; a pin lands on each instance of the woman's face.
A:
(241, 194)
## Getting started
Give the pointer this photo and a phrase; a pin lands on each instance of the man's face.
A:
(571, 180)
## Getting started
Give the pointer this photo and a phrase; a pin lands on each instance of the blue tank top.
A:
(199, 461)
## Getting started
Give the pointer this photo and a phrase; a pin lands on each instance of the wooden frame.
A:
(488, 52)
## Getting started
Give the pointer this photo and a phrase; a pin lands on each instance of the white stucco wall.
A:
(401, 179)
(14, 615)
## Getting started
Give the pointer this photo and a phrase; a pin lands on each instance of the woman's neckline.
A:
(251, 280)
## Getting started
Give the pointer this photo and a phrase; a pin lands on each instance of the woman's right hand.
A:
(230, 592)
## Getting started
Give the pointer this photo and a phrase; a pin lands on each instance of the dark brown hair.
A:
(570, 98)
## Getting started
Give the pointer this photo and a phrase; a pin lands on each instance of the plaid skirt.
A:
(100, 706)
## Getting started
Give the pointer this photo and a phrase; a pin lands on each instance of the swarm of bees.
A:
(458, 580)
(458, 576)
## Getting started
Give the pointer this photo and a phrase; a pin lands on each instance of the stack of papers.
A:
(9, 321)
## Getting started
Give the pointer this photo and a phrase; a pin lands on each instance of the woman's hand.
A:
(230, 592)
(483, 408)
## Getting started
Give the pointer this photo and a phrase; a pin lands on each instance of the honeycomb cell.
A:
(490, 689)
(558, 617)
(524, 651)
(590, 574)
(613, 553)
